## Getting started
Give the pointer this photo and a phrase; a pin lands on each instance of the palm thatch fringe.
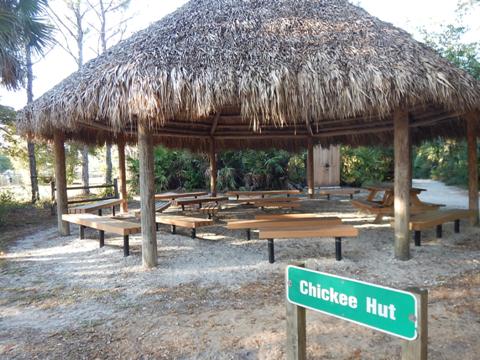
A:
(297, 63)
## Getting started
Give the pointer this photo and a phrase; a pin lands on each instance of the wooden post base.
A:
(126, 246)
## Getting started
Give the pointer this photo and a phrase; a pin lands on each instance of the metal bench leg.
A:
(99, 212)
(249, 234)
(351, 196)
(82, 232)
(271, 251)
(328, 197)
(126, 246)
(173, 229)
(193, 233)
(338, 248)
(418, 238)
(102, 238)
(183, 207)
(439, 231)
(456, 226)
(113, 210)
(157, 226)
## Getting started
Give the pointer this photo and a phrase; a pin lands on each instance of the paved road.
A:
(438, 192)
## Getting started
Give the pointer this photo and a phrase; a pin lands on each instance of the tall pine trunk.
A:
(103, 43)
(32, 162)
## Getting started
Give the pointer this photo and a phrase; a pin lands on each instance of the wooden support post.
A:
(310, 169)
(61, 182)
(147, 196)
(418, 348)
(122, 176)
(402, 184)
(213, 168)
(296, 330)
(472, 119)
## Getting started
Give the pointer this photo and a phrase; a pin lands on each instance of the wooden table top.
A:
(173, 195)
(391, 188)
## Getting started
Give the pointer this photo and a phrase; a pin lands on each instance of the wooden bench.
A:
(173, 195)
(200, 201)
(286, 223)
(160, 206)
(338, 191)
(102, 224)
(210, 210)
(329, 231)
(96, 206)
(437, 218)
(380, 210)
(183, 221)
(275, 202)
(262, 193)
(290, 216)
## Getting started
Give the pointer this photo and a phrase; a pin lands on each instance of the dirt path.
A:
(218, 298)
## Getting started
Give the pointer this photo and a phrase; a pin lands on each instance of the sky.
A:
(407, 14)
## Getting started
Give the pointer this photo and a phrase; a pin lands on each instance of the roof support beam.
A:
(213, 167)
(147, 196)
(215, 123)
(473, 118)
(61, 182)
(402, 184)
(122, 175)
(310, 168)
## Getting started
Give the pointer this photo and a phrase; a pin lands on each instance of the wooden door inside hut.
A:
(326, 166)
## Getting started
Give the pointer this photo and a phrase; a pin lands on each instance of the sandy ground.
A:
(217, 297)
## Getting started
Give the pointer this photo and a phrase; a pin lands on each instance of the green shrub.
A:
(247, 169)
(7, 203)
(366, 165)
(444, 160)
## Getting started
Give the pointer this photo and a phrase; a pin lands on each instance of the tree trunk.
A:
(85, 170)
(32, 162)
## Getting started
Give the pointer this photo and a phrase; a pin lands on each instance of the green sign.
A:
(388, 310)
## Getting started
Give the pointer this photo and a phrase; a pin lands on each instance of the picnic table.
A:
(173, 195)
(199, 201)
(262, 193)
(96, 206)
(385, 205)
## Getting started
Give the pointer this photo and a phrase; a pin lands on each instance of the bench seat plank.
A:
(108, 224)
(260, 193)
(291, 216)
(183, 221)
(309, 232)
(172, 195)
(92, 207)
(336, 231)
(282, 223)
(433, 218)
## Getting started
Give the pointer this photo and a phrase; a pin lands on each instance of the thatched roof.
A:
(260, 73)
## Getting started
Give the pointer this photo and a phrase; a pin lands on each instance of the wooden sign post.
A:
(396, 312)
